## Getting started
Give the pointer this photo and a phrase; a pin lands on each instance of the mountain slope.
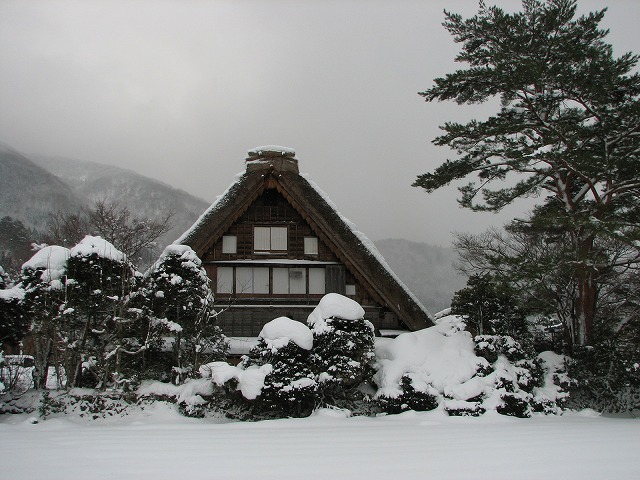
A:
(29, 192)
(426, 269)
(144, 196)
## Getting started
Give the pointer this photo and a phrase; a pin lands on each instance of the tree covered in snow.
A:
(180, 301)
(93, 320)
(343, 346)
(567, 128)
(289, 388)
(43, 280)
(13, 320)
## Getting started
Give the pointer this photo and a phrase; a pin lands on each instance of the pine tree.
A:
(343, 348)
(93, 319)
(290, 388)
(567, 127)
(180, 300)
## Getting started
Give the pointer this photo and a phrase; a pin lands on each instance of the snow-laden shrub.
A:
(491, 346)
(343, 347)
(275, 380)
(605, 377)
(413, 394)
(469, 376)
(179, 299)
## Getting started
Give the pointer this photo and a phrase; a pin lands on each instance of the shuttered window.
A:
(316, 281)
(270, 239)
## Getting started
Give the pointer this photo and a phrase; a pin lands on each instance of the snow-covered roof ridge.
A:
(219, 202)
(364, 240)
(271, 150)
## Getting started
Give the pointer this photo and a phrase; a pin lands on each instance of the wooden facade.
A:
(273, 246)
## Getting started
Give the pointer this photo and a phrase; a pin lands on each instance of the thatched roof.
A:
(277, 167)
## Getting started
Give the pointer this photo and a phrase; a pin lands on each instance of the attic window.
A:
(270, 239)
(311, 245)
(229, 244)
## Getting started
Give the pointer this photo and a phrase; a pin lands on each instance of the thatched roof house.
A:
(273, 244)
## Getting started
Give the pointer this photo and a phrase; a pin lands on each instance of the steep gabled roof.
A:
(277, 167)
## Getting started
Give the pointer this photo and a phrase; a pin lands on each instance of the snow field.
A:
(161, 444)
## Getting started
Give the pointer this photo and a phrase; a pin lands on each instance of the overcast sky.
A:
(180, 90)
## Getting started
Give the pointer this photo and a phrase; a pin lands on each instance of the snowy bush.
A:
(275, 380)
(468, 376)
(413, 394)
(604, 377)
(343, 347)
(180, 302)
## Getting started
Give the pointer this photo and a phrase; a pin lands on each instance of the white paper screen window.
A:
(229, 244)
(310, 245)
(279, 239)
(262, 239)
(316, 281)
(225, 280)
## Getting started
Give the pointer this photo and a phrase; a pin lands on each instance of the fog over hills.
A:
(144, 196)
(29, 192)
(426, 269)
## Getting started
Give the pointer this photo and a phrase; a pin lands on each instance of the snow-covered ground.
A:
(160, 444)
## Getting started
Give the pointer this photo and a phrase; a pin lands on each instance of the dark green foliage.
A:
(420, 399)
(605, 378)
(14, 323)
(93, 318)
(491, 346)
(342, 356)
(464, 409)
(566, 128)
(489, 308)
(290, 389)
(179, 299)
(514, 405)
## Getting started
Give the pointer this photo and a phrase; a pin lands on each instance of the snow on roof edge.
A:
(368, 244)
(209, 211)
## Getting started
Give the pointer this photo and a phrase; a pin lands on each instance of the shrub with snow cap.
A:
(178, 296)
(289, 388)
(343, 351)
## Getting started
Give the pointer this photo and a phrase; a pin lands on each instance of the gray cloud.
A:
(180, 90)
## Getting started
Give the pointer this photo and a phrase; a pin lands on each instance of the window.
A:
(289, 281)
(350, 290)
(311, 245)
(252, 280)
(270, 239)
(229, 244)
(224, 280)
(316, 281)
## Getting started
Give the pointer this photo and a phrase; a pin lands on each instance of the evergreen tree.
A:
(100, 279)
(567, 127)
(13, 321)
(180, 300)
(43, 280)
(490, 309)
(290, 388)
(343, 347)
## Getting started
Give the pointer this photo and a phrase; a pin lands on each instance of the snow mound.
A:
(91, 245)
(334, 305)
(53, 262)
(279, 332)
(442, 355)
